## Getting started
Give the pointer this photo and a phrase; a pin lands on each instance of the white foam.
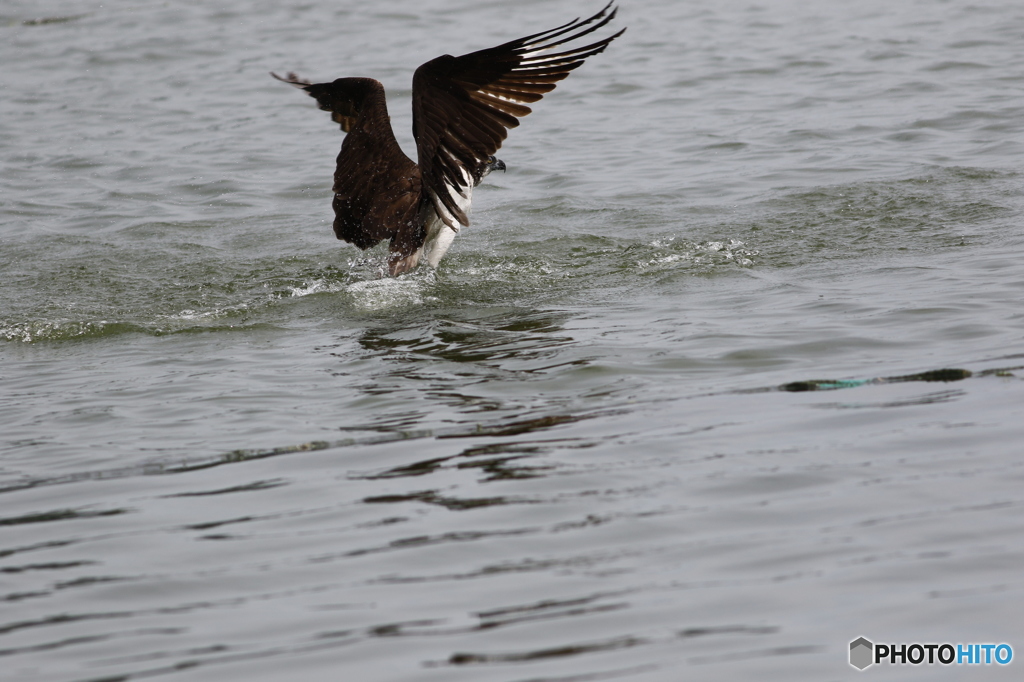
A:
(317, 286)
(383, 294)
(704, 253)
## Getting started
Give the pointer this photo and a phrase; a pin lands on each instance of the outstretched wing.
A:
(463, 106)
(330, 98)
(377, 188)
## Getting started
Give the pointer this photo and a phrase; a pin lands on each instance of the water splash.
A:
(61, 330)
(672, 253)
(389, 293)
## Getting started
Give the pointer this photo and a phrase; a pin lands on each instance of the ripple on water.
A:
(63, 330)
(149, 285)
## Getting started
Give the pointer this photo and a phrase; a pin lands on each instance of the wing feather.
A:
(344, 110)
(464, 106)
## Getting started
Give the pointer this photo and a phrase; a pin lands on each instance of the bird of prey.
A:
(461, 110)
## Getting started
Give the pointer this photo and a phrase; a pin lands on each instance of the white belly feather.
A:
(439, 238)
(439, 235)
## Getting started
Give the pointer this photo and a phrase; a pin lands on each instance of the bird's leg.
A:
(398, 264)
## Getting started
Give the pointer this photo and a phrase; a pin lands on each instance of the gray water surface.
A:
(724, 374)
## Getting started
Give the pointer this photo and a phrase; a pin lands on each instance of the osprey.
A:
(461, 110)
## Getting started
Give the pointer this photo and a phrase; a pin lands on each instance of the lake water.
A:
(725, 374)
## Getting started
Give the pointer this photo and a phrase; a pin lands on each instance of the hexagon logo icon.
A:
(861, 653)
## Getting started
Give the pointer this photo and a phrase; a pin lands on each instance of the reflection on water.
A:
(492, 338)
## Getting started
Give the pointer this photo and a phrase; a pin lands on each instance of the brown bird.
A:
(461, 110)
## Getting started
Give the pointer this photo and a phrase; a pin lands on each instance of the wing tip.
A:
(293, 79)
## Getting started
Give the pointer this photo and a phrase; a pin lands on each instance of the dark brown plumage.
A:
(462, 109)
